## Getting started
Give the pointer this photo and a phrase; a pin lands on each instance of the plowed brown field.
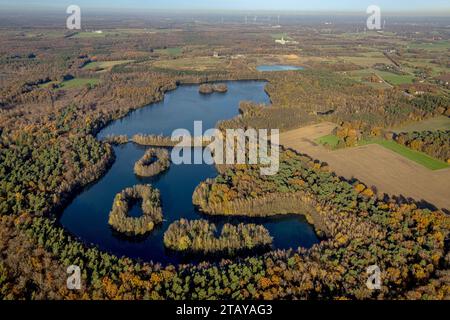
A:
(375, 166)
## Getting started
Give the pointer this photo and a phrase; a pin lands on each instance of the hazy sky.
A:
(282, 5)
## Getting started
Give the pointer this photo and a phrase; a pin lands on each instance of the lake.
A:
(274, 68)
(87, 216)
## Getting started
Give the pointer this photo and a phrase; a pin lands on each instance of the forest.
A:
(317, 95)
(209, 89)
(153, 140)
(151, 209)
(407, 242)
(354, 215)
(116, 140)
(41, 170)
(152, 163)
(49, 153)
(199, 236)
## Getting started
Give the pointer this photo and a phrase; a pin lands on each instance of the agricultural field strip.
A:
(105, 64)
(375, 166)
(437, 123)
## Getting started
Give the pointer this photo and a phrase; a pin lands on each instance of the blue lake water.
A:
(87, 216)
(274, 68)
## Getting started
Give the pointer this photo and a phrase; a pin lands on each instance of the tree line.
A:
(198, 236)
(434, 143)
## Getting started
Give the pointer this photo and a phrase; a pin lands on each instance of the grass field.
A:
(170, 51)
(193, 64)
(329, 140)
(79, 82)
(48, 84)
(366, 61)
(395, 79)
(435, 45)
(73, 83)
(121, 32)
(391, 78)
(84, 35)
(104, 64)
(416, 156)
(436, 70)
(369, 36)
(361, 75)
(280, 35)
(42, 34)
(433, 124)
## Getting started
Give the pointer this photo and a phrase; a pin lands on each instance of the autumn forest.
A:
(81, 113)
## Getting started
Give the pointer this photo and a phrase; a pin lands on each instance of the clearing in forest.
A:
(102, 65)
(197, 64)
(432, 124)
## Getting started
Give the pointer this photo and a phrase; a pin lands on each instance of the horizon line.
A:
(52, 9)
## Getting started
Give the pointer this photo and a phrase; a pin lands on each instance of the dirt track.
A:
(375, 166)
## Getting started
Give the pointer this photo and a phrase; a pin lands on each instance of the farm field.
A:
(193, 64)
(432, 46)
(73, 83)
(364, 74)
(374, 165)
(390, 78)
(395, 79)
(120, 32)
(291, 59)
(435, 69)
(41, 34)
(421, 158)
(84, 35)
(433, 124)
(102, 65)
(367, 61)
(280, 35)
(170, 51)
(418, 157)
(79, 82)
